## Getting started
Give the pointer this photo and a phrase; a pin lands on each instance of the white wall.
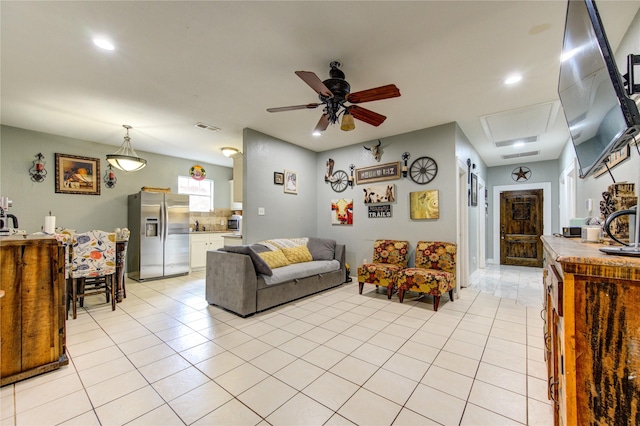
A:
(32, 201)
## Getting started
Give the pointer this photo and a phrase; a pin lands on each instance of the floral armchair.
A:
(389, 258)
(434, 274)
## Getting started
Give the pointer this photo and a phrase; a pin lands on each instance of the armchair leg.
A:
(451, 295)
(436, 302)
(401, 294)
(360, 286)
(389, 291)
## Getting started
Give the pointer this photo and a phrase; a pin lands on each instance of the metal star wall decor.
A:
(521, 174)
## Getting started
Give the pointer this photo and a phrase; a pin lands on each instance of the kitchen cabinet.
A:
(201, 242)
(232, 240)
(234, 205)
(33, 309)
(592, 333)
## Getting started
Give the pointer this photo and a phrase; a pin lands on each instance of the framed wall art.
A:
(474, 189)
(290, 182)
(379, 194)
(424, 205)
(278, 178)
(377, 173)
(77, 175)
(342, 211)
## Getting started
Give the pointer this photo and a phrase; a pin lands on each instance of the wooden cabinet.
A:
(592, 333)
(32, 311)
(200, 244)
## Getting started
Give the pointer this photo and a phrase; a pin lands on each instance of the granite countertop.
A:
(232, 236)
(209, 232)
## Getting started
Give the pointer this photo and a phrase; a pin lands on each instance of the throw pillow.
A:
(297, 254)
(259, 264)
(321, 248)
(275, 258)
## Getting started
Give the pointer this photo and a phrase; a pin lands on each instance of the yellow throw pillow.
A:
(297, 254)
(275, 258)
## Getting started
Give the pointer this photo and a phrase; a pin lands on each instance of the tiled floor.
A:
(165, 357)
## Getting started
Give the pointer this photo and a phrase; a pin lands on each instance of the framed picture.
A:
(379, 194)
(278, 178)
(342, 211)
(77, 175)
(424, 205)
(377, 173)
(290, 182)
(474, 189)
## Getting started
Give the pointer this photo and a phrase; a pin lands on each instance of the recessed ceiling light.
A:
(103, 44)
(518, 144)
(316, 133)
(513, 79)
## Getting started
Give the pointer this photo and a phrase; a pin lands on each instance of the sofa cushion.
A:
(259, 264)
(300, 271)
(297, 254)
(321, 248)
(275, 258)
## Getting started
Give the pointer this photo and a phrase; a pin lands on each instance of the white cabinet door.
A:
(199, 245)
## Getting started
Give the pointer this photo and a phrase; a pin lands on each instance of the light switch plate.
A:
(261, 211)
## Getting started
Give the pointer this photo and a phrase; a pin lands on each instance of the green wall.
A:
(32, 201)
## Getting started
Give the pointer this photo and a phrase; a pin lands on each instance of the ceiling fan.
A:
(334, 93)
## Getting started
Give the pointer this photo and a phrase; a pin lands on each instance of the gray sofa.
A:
(237, 281)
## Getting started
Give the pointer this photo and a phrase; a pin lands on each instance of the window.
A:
(200, 193)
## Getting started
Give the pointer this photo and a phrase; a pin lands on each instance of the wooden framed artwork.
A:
(424, 205)
(377, 173)
(278, 178)
(290, 182)
(379, 194)
(342, 211)
(77, 175)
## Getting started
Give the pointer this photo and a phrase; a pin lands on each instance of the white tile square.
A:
(368, 408)
(164, 367)
(163, 415)
(129, 407)
(241, 378)
(324, 357)
(180, 383)
(300, 410)
(331, 390)
(219, 364)
(502, 377)
(208, 396)
(504, 402)
(56, 410)
(474, 415)
(441, 407)
(372, 354)
(354, 370)
(265, 397)
(448, 381)
(299, 374)
(251, 349)
(231, 413)
(273, 360)
(391, 386)
(201, 352)
(115, 387)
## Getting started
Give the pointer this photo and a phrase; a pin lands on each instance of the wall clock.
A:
(423, 170)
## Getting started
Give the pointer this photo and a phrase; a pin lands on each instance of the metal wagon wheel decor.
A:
(423, 170)
(339, 180)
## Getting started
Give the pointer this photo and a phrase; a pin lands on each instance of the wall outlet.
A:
(222, 222)
(261, 211)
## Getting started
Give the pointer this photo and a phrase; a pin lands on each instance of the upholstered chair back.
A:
(93, 254)
(436, 255)
(393, 252)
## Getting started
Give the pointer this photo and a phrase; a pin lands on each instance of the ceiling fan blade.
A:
(314, 81)
(294, 107)
(366, 115)
(382, 92)
(323, 123)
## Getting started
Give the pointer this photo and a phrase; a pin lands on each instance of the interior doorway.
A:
(521, 228)
(481, 223)
(462, 238)
(568, 194)
(495, 223)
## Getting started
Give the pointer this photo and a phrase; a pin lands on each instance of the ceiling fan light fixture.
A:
(347, 123)
(228, 151)
(126, 158)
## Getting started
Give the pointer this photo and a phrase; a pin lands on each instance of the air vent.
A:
(207, 127)
(511, 142)
(520, 154)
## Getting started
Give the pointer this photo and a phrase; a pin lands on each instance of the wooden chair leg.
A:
(436, 302)
(113, 292)
(451, 295)
(74, 297)
(360, 286)
(389, 291)
(400, 294)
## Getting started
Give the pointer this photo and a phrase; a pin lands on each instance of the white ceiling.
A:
(225, 63)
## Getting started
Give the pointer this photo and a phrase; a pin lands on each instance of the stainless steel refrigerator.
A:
(159, 241)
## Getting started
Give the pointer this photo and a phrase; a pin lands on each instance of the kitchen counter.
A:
(208, 232)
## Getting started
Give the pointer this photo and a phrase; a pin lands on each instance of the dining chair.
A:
(93, 267)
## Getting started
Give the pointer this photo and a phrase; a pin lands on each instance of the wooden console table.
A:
(592, 333)
(32, 311)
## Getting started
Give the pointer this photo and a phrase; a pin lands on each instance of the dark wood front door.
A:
(521, 228)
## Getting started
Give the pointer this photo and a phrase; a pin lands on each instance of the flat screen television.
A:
(602, 119)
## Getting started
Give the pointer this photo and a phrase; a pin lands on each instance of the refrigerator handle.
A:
(163, 220)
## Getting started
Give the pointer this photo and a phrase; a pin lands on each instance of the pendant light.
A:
(125, 158)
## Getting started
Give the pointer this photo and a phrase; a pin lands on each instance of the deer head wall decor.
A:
(376, 151)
